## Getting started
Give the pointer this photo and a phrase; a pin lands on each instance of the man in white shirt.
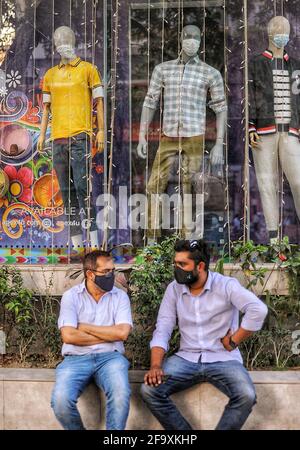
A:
(95, 319)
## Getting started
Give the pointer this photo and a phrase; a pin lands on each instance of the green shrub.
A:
(149, 278)
(30, 321)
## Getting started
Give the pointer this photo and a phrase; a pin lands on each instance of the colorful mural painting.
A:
(31, 203)
(33, 225)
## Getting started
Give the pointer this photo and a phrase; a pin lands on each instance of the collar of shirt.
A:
(193, 59)
(269, 54)
(82, 287)
(207, 286)
(73, 63)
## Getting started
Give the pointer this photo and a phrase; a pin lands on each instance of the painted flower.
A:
(3, 91)
(13, 79)
(20, 182)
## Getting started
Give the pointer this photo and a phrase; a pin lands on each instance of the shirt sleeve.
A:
(166, 320)
(95, 83)
(216, 89)
(123, 312)
(46, 88)
(68, 314)
(252, 103)
(154, 91)
(255, 311)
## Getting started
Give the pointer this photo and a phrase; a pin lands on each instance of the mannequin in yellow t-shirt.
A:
(69, 90)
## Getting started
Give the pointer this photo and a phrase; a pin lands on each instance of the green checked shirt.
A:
(185, 88)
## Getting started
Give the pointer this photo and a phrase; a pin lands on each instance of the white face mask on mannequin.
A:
(66, 51)
(281, 40)
(190, 46)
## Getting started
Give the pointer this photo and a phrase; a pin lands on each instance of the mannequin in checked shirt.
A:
(185, 83)
(275, 122)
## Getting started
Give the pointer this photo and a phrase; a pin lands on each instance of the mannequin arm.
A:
(44, 125)
(149, 107)
(100, 124)
(253, 136)
(146, 119)
(216, 154)
(254, 139)
(221, 119)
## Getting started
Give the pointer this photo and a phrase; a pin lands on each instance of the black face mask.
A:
(185, 276)
(105, 282)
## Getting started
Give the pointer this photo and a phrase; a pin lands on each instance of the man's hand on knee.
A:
(154, 377)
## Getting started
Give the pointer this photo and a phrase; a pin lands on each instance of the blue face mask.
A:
(280, 40)
(105, 282)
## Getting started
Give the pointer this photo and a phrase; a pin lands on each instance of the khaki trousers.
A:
(190, 151)
(274, 149)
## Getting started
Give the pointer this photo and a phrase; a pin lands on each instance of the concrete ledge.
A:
(137, 376)
(25, 402)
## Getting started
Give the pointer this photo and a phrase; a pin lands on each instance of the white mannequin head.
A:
(191, 38)
(279, 32)
(64, 41)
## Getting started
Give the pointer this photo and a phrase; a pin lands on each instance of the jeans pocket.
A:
(57, 364)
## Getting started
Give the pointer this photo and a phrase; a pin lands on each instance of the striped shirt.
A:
(185, 88)
(282, 93)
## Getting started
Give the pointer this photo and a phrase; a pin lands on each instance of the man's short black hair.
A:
(198, 250)
(90, 260)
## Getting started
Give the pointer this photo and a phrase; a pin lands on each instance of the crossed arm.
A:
(86, 334)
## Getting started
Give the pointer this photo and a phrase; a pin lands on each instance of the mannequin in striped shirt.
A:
(275, 121)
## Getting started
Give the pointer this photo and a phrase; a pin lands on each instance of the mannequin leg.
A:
(65, 179)
(80, 162)
(94, 239)
(193, 155)
(289, 154)
(266, 160)
(158, 182)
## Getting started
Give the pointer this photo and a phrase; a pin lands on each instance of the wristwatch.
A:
(232, 344)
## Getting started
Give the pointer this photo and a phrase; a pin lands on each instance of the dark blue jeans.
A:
(109, 371)
(230, 377)
(71, 161)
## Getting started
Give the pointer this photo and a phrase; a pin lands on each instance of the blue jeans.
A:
(109, 370)
(230, 377)
(71, 161)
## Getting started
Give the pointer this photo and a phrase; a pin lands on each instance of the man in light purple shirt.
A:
(94, 320)
(206, 306)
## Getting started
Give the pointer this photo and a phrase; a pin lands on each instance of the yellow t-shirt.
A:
(69, 88)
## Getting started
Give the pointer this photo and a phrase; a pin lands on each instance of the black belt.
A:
(283, 127)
